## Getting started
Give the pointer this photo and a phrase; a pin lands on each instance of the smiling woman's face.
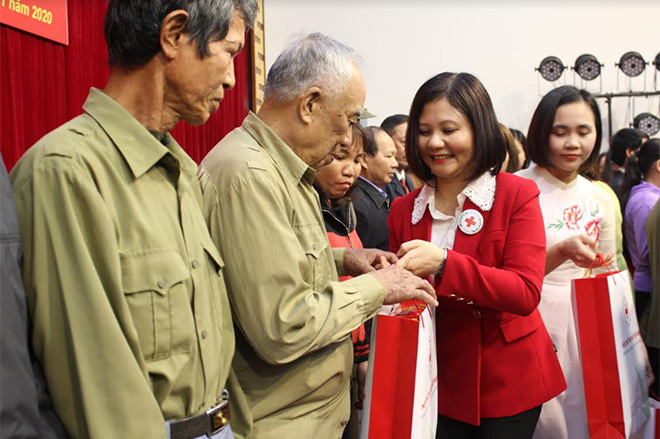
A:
(446, 141)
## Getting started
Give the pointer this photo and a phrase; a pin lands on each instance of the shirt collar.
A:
(137, 145)
(480, 191)
(400, 174)
(286, 159)
(382, 192)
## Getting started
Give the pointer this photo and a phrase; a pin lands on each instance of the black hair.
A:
(466, 94)
(513, 165)
(626, 139)
(390, 123)
(520, 137)
(638, 167)
(538, 136)
(606, 173)
(371, 146)
(132, 28)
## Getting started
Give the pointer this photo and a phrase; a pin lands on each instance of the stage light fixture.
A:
(648, 123)
(587, 67)
(632, 64)
(551, 68)
(656, 61)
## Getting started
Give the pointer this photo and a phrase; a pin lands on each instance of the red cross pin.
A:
(470, 222)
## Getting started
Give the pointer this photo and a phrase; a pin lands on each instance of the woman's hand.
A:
(420, 257)
(580, 249)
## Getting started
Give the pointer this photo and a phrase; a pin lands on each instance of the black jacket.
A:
(339, 221)
(371, 210)
(395, 189)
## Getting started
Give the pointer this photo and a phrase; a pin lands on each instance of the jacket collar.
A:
(376, 195)
(481, 192)
(137, 145)
(286, 159)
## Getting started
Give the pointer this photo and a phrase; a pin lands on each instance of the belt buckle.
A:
(218, 416)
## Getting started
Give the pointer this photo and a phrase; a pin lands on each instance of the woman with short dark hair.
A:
(477, 234)
(563, 142)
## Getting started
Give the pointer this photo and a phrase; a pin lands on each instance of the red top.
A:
(359, 335)
(495, 357)
(350, 241)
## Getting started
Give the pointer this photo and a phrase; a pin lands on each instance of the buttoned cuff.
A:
(371, 291)
(338, 255)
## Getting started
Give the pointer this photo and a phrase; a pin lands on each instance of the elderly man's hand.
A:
(358, 261)
(401, 285)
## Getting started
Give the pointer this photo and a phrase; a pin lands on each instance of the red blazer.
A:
(495, 357)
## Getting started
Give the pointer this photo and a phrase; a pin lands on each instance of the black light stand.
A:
(631, 94)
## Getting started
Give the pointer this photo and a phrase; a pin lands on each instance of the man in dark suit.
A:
(396, 127)
(371, 203)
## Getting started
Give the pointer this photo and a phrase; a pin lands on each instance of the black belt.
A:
(213, 421)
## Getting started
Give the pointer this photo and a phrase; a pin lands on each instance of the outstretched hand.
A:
(420, 257)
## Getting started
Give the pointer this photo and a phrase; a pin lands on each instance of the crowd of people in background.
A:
(156, 298)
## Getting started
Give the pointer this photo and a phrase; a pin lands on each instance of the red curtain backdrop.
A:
(43, 84)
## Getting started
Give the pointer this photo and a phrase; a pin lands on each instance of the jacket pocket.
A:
(314, 244)
(156, 285)
(519, 326)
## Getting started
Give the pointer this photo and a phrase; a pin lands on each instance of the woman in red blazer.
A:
(478, 235)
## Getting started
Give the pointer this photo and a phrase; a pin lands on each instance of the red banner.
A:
(46, 18)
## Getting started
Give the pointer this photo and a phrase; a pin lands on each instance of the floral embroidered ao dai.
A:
(579, 207)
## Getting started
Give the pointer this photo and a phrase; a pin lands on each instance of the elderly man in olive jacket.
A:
(293, 352)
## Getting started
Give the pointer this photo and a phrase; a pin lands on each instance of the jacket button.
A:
(161, 283)
(477, 313)
(194, 264)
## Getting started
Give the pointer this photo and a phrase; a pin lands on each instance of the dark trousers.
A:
(520, 426)
(642, 300)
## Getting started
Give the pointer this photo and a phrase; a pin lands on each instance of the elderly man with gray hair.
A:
(293, 352)
(131, 320)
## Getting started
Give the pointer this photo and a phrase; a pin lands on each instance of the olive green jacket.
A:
(293, 353)
(131, 321)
